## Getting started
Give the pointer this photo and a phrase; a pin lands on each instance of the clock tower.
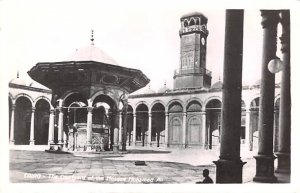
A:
(192, 72)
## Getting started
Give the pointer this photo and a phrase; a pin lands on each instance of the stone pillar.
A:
(51, 127)
(115, 138)
(124, 130)
(284, 153)
(134, 129)
(120, 128)
(265, 157)
(149, 128)
(247, 130)
(60, 125)
(166, 129)
(183, 129)
(12, 125)
(229, 166)
(89, 132)
(31, 142)
(203, 118)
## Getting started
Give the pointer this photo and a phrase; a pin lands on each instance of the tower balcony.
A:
(193, 28)
(186, 71)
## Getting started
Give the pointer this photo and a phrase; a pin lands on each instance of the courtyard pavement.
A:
(163, 166)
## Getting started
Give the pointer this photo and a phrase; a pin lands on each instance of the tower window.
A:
(185, 23)
(192, 22)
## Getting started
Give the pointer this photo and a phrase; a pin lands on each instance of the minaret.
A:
(192, 72)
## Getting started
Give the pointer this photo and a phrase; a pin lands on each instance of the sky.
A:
(136, 34)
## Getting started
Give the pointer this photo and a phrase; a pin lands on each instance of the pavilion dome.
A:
(92, 53)
(217, 85)
(18, 81)
(148, 90)
(163, 89)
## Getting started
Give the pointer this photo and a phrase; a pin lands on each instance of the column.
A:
(166, 129)
(284, 153)
(247, 130)
(12, 125)
(115, 130)
(124, 130)
(120, 128)
(134, 130)
(229, 167)
(51, 127)
(149, 128)
(31, 142)
(265, 157)
(60, 125)
(184, 129)
(89, 123)
(204, 133)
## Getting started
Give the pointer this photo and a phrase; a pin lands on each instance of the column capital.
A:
(166, 113)
(89, 109)
(203, 112)
(184, 113)
(13, 107)
(270, 18)
(33, 109)
(134, 115)
(150, 114)
(60, 109)
(52, 111)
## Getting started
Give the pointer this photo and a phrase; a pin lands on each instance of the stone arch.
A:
(192, 21)
(156, 102)
(25, 95)
(185, 23)
(139, 103)
(22, 120)
(142, 119)
(210, 99)
(193, 105)
(158, 123)
(11, 98)
(41, 125)
(174, 101)
(43, 98)
(104, 92)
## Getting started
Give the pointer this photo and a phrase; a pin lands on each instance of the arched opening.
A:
(194, 129)
(192, 22)
(213, 118)
(141, 124)
(197, 21)
(129, 125)
(22, 121)
(185, 23)
(41, 126)
(276, 124)
(175, 122)
(158, 124)
(254, 114)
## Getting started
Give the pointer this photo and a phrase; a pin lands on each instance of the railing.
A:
(193, 28)
(201, 71)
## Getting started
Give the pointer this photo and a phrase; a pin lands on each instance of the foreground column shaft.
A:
(51, 127)
(12, 125)
(31, 142)
(89, 129)
(265, 157)
(134, 130)
(149, 129)
(284, 153)
(60, 125)
(229, 166)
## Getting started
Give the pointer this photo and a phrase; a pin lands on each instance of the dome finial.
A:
(165, 83)
(18, 74)
(92, 38)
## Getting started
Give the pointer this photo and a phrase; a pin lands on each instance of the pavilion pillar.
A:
(134, 129)
(265, 157)
(284, 153)
(60, 125)
(89, 124)
(51, 127)
(124, 130)
(247, 130)
(166, 129)
(115, 138)
(120, 129)
(12, 125)
(183, 129)
(149, 128)
(31, 142)
(203, 118)
(229, 167)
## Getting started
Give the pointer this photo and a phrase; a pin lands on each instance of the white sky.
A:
(137, 34)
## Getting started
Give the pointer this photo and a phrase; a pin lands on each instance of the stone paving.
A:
(167, 166)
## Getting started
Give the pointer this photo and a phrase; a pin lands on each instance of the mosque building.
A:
(189, 115)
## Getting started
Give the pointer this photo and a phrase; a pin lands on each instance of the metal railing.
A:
(201, 71)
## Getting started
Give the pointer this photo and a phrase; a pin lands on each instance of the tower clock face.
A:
(203, 41)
